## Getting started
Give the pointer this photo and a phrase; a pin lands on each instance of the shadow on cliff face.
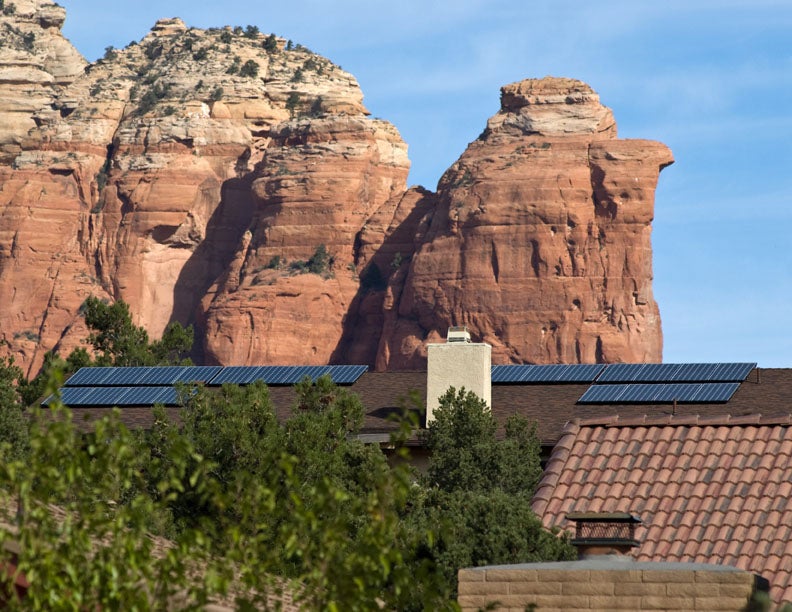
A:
(367, 317)
(211, 258)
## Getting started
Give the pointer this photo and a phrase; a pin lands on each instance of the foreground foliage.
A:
(237, 504)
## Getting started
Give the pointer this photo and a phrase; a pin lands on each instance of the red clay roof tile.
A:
(718, 499)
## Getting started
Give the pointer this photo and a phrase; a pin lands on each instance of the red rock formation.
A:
(318, 183)
(204, 179)
(541, 240)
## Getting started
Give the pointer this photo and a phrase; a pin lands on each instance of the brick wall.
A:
(636, 587)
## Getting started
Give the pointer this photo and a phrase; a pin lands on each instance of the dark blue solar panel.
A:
(714, 372)
(117, 396)
(602, 394)
(347, 374)
(148, 396)
(73, 396)
(287, 375)
(675, 372)
(663, 393)
(126, 377)
(239, 375)
(551, 373)
(202, 374)
(716, 392)
(169, 375)
(163, 375)
(86, 377)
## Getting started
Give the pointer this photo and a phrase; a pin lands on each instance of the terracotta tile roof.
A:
(710, 490)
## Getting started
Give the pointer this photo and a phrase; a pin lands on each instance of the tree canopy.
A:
(234, 502)
(477, 490)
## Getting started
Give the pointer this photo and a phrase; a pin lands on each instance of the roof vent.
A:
(604, 533)
(458, 334)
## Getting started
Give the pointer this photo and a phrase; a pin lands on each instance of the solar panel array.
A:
(554, 373)
(675, 372)
(645, 393)
(142, 376)
(287, 375)
(146, 386)
(210, 375)
(665, 383)
(117, 396)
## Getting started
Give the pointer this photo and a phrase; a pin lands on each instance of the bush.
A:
(270, 44)
(251, 31)
(249, 69)
(292, 102)
(319, 261)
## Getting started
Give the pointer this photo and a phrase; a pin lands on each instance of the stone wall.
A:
(585, 585)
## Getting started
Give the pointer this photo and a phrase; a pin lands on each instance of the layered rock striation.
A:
(232, 180)
(540, 240)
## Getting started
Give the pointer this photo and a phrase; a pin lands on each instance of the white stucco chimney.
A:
(457, 363)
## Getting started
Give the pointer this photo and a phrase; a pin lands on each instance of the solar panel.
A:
(125, 377)
(602, 394)
(551, 373)
(287, 375)
(675, 372)
(663, 393)
(716, 392)
(347, 374)
(73, 396)
(169, 375)
(147, 396)
(117, 396)
(240, 375)
(86, 377)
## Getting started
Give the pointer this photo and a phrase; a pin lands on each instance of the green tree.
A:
(119, 342)
(270, 44)
(13, 424)
(80, 517)
(478, 491)
(320, 260)
(467, 455)
(301, 506)
(292, 102)
(249, 69)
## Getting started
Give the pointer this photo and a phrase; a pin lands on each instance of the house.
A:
(702, 453)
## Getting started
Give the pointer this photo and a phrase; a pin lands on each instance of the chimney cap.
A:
(603, 517)
(458, 333)
(604, 533)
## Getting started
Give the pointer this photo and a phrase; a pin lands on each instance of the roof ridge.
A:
(685, 420)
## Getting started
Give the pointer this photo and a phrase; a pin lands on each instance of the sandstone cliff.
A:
(540, 241)
(230, 179)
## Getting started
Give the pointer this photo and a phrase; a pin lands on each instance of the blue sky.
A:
(712, 79)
